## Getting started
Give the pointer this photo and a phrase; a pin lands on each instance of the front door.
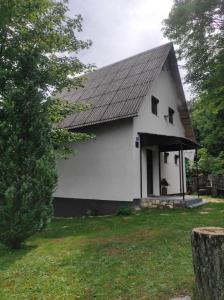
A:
(149, 172)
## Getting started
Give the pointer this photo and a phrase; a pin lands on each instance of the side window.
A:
(166, 155)
(171, 113)
(176, 159)
(154, 105)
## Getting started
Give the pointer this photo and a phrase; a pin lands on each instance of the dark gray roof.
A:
(118, 90)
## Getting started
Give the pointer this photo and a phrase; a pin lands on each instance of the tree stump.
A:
(208, 261)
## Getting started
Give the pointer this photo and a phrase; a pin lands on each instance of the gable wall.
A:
(165, 90)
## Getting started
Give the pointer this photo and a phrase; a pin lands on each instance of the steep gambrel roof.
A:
(118, 90)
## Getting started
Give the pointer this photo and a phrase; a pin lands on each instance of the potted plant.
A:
(164, 185)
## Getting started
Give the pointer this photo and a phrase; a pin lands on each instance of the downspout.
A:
(140, 158)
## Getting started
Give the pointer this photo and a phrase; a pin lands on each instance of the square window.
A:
(171, 113)
(154, 102)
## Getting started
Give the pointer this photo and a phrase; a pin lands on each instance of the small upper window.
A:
(171, 113)
(155, 102)
(166, 154)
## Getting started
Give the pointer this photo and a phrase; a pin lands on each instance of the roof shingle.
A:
(116, 91)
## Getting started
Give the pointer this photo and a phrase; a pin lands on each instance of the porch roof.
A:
(166, 142)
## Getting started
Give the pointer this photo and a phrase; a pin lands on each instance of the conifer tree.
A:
(36, 38)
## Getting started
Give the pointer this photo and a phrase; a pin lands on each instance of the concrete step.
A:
(197, 204)
(193, 201)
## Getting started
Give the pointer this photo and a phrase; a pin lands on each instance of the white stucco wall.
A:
(108, 167)
(163, 89)
(103, 168)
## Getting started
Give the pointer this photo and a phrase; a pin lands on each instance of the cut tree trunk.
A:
(208, 261)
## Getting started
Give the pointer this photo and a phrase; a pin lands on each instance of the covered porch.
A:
(165, 144)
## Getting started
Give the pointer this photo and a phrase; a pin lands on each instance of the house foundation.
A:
(167, 202)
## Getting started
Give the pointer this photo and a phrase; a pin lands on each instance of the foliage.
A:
(62, 137)
(197, 27)
(205, 161)
(208, 111)
(210, 164)
(125, 211)
(144, 256)
(187, 166)
(37, 37)
(208, 121)
(207, 164)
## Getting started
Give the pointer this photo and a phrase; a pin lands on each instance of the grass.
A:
(143, 256)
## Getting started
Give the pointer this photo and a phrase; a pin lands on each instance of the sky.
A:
(120, 28)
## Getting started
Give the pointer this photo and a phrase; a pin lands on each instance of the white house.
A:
(141, 122)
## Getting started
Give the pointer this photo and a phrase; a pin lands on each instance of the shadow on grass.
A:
(79, 227)
(8, 257)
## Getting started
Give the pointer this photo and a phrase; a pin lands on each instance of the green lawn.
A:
(144, 256)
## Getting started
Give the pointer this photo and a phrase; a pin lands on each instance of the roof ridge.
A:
(132, 56)
(159, 69)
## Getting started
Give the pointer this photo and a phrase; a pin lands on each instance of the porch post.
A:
(160, 192)
(197, 171)
(182, 169)
(180, 172)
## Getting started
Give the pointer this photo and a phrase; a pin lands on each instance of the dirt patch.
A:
(214, 200)
(59, 240)
(114, 251)
(110, 251)
(143, 234)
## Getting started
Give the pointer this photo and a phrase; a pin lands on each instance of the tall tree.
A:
(197, 27)
(37, 38)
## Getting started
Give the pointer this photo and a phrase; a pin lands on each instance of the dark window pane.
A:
(166, 154)
(154, 102)
(176, 158)
(171, 113)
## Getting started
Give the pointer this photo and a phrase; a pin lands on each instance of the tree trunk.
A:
(208, 261)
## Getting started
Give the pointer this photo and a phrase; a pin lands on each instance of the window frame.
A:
(154, 105)
(165, 158)
(170, 114)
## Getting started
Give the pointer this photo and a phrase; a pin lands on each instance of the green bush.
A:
(125, 211)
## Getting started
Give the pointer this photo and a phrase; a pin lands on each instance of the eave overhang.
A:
(166, 142)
